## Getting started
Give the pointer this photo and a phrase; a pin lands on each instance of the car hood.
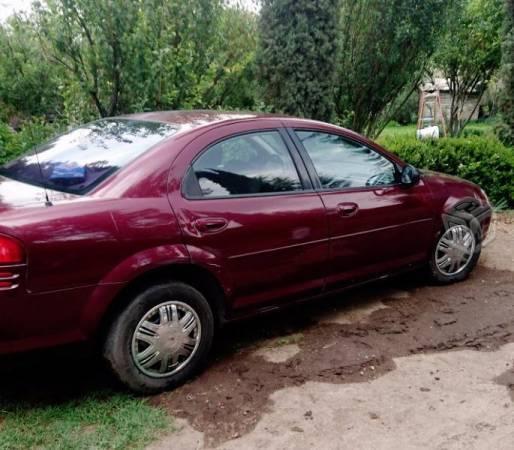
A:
(443, 178)
(453, 187)
(15, 194)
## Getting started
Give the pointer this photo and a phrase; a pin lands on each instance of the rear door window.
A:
(255, 163)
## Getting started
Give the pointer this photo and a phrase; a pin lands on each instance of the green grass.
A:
(398, 131)
(115, 421)
(483, 127)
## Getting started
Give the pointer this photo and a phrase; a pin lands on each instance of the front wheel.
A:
(161, 338)
(455, 254)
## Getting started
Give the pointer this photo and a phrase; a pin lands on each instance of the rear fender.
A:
(128, 270)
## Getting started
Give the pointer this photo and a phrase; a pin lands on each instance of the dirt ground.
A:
(395, 365)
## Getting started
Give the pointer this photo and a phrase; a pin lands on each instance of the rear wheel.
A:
(161, 339)
(455, 254)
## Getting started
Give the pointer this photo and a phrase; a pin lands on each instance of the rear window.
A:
(77, 161)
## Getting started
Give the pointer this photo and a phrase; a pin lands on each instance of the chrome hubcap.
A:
(455, 250)
(166, 339)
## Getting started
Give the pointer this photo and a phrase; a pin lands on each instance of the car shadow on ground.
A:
(52, 376)
(298, 317)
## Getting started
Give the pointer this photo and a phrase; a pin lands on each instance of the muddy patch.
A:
(351, 338)
(229, 398)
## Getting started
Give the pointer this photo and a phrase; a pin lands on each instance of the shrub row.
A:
(482, 160)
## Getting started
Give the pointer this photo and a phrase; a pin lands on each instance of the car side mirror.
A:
(409, 176)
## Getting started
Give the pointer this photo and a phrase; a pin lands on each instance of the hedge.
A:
(482, 160)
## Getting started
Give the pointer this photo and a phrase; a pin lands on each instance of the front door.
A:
(376, 225)
(249, 213)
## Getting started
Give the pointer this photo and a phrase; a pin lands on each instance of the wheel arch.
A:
(192, 274)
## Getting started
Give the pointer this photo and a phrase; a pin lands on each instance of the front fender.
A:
(453, 198)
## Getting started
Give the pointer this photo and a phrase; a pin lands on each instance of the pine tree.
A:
(506, 130)
(297, 56)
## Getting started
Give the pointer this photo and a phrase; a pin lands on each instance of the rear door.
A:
(376, 225)
(249, 213)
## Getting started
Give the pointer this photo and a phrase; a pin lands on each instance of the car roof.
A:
(189, 120)
(186, 121)
(196, 118)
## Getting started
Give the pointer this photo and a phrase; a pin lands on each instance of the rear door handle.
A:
(210, 225)
(347, 209)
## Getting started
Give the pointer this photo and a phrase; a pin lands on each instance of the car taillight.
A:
(11, 251)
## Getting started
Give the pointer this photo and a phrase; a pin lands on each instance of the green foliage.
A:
(130, 54)
(506, 130)
(482, 160)
(472, 132)
(469, 54)
(75, 60)
(6, 142)
(231, 78)
(357, 62)
(385, 48)
(29, 84)
(96, 421)
(12, 143)
(406, 113)
(297, 56)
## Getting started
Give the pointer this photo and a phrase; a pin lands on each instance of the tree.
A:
(175, 45)
(469, 54)
(385, 49)
(297, 56)
(89, 39)
(28, 85)
(131, 55)
(80, 59)
(506, 130)
(230, 82)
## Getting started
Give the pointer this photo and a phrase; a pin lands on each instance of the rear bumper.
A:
(29, 321)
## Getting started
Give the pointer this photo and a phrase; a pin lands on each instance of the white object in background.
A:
(428, 133)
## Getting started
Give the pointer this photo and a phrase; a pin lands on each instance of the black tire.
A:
(441, 278)
(118, 344)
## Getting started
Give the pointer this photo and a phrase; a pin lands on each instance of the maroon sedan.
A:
(149, 231)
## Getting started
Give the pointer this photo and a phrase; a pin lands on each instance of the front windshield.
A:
(77, 161)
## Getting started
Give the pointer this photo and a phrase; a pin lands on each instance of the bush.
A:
(472, 132)
(408, 113)
(8, 143)
(484, 161)
(13, 144)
